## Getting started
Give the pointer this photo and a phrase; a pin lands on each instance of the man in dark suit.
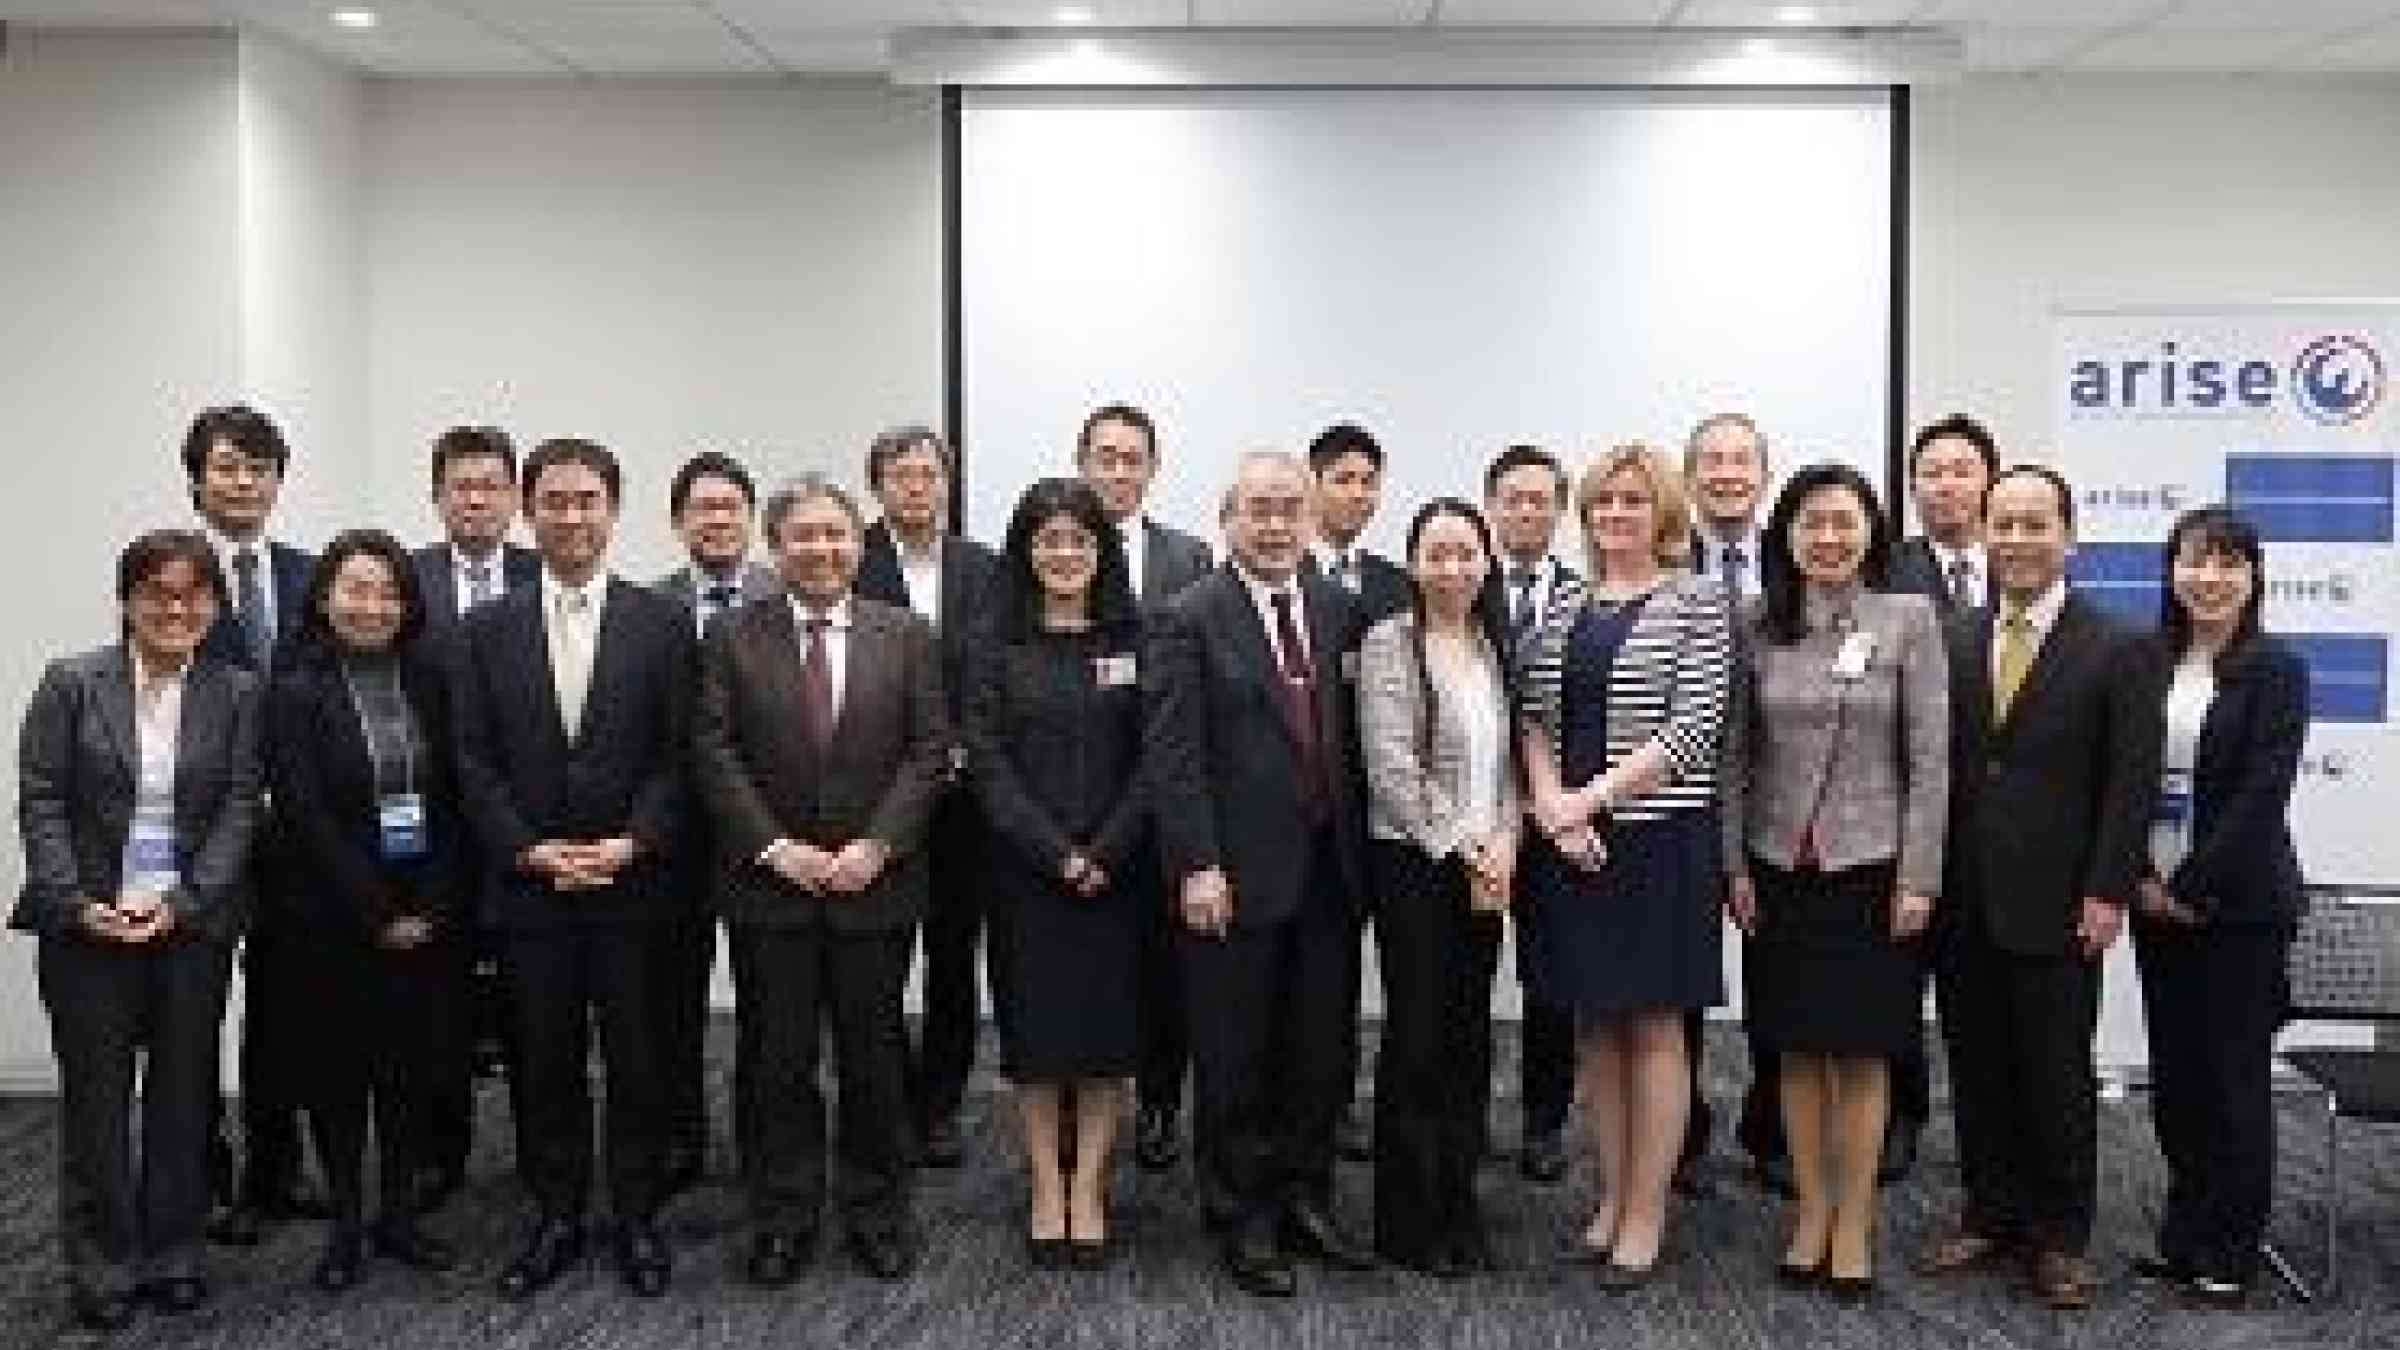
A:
(2055, 750)
(821, 746)
(1345, 465)
(1525, 492)
(474, 473)
(711, 501)
(1950, 463)
(573, 724)
(1117, 453)
(234, 458)
(910, 561)
(1253, 763)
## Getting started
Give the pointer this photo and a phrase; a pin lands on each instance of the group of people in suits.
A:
(470, 804)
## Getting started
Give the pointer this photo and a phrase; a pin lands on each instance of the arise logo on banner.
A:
(2337, 380)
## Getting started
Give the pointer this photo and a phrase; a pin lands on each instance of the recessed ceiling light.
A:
(1073, 14)
(1795, 14)
(353, 18)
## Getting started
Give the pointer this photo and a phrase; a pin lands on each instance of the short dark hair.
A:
(1125, 414)
(1524, 457)
(1957, 426)
(472, 443)
(1343, 438)
(1784, 591)
(153, 550)
(708, 464)
(892, 443)
(2057, 481)
(1112, 604)
(568, 450)
(239, 425)
(2213, 529)
(315, 631)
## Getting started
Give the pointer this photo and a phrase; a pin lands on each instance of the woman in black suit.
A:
(138, 795)
(1053, 733)
(358, 755)
(2215, 915)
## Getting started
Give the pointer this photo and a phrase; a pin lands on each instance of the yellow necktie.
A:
(2016, 658)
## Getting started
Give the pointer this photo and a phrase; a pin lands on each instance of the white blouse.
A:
(2188, 699)
(1469, 690)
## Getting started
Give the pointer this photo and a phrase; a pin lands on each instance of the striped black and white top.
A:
(1668, 685)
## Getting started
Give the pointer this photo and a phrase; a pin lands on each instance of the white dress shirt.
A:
(148, 860)
(1136, 538)
(226, 551)
(837, 643)
(1263, 596)
(1979, 570)
(1339, 565)
(1545, 580)
(573, 635)
(463, 569)
(1713, 566)
(921, 573)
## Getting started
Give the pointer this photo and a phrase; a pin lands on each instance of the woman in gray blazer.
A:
(1836, 780)
(138, 795)
(1443, 812)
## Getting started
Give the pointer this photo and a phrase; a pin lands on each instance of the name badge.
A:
(150, 855)
(400, 819)
(1850, 663)
(1114, 672)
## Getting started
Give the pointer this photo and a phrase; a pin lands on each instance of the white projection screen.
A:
(1455, 269)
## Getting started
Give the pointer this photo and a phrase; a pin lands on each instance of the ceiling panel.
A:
(1044, 13)
(2041, 13)
(840, 16)
(2161, 49)
(2377, 50)
(1991, 47)
(1310, 13)
(1610, 13)
(2248, 16)
(1756, 14)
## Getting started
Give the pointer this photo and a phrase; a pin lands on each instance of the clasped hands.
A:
(578, 865)
(136, 917)
(819, 871)
(1491, 869)
(1565, 818)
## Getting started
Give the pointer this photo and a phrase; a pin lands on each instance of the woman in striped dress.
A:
(1622, 708)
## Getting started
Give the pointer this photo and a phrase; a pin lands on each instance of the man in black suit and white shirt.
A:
(909, 560)
(2055, 748)
(573, 717)
(1253, 763)
(1346, 463)
(710, 501)
(1117, 453)
(234, 460)
(475, 493)
(1525, 492)
(1950, 463)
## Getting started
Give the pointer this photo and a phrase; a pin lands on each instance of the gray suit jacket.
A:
(683, 584)
(1410, 795)
(78, 761)
(1869, 757)
(763, 779)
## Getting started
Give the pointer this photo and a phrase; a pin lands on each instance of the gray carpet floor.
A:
(976, 1290)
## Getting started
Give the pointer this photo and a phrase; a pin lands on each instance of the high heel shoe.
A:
(1047, 1253)
(1850, 1289)
(1807, 1276)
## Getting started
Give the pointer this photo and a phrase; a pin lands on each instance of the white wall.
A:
(659, 266)
(122, 312)
(2033, 193)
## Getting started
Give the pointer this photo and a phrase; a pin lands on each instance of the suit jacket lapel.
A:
(609, 652)
(864, 652)
(441, 585)
(2057, 647)
(1239, 616)
(202, 686)
(114, 695)
(1324, 650)
(533, 657)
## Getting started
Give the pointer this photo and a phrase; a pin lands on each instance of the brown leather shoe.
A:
(2065, 1282)
(1960, 1251)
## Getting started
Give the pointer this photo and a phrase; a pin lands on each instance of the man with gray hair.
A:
(1253, 766)
(822, 872)
(911, 561)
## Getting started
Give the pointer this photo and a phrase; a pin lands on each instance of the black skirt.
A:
(1823, 973)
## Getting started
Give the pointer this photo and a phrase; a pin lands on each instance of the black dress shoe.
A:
(178, 1294)
(1543, 1160)
(1258, 1268)
(1309, 1231)
(1087, 1253)
(642, 1261)
(1899, 1153)
(939, 1144)
(1046, 1253)
(238, 1226)
(343, 1262)
(885, 1255)
(403, 1241)
(1157, 1143)
(96, 1311)
(1850, 1289)
(1353, 1138)
(775, 1259)
(1792, 1276)
(1619, 1279)
(554, 1245)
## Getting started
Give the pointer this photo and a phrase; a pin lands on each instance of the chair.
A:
(2345, 969)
